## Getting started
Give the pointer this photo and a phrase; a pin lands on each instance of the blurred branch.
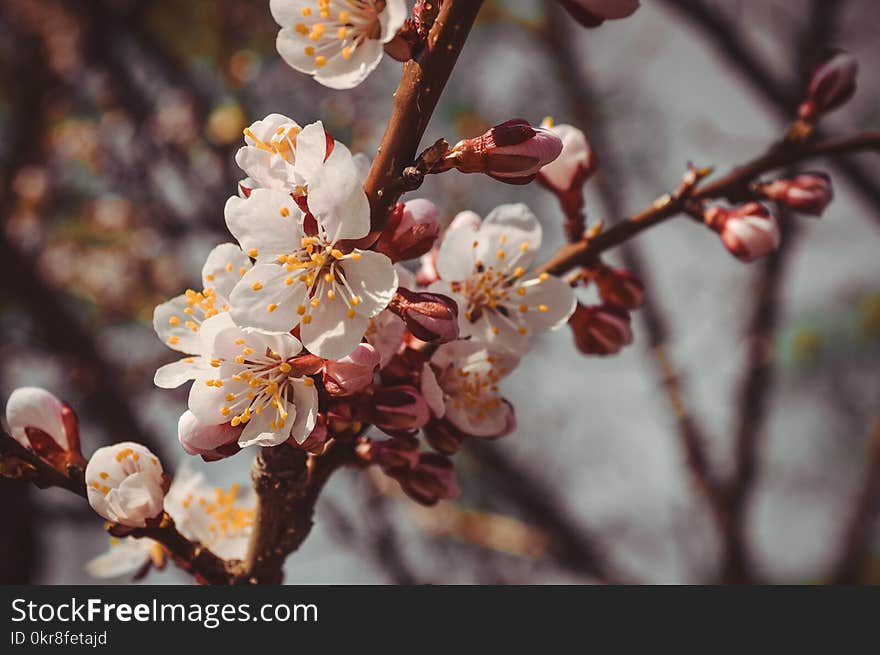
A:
(570, 544)
(559, 44)
(416, 98)
(47, 306)
(854, 551)
(734, 187)
(725, 36)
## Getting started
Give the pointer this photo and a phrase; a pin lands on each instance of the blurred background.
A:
(119, 121)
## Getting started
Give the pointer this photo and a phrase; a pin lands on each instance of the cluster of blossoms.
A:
(298, 335)
(310, 328)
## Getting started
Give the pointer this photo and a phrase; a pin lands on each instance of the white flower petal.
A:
(311, 150)
(222, 269)
(305, 397)
(126, 556)
(174, 326)
(456, 259)
(550, 304)
(263, 287)
(337, 198)
(432, 392)
(183, 370)
(331, 334)
(259, 430)
(373, 278)
(266, 224)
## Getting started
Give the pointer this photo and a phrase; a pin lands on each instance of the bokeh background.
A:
(119, 121)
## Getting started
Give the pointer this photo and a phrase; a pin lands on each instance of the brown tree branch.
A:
(288, 482)
(734, 187)
(731, 43)
(420, 88)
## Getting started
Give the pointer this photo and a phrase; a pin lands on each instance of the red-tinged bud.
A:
(431, 317)
(592, 13)
(352, 373)
(210, 442)
(399, 410)
(444, 437)
(512, 152)
(406, 43)
(245, 187)
(601, 329)
(749, 231)
(575, 163)
(832, 85)
(345, 418)
(619, 287)
(400, 453)
(46, 426)
(432, 480)
(808, 193)
(412, 229)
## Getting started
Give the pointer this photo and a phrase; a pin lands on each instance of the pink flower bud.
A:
(748, 231)
(399, 410)
(592, 13)
(345, 419)
(512, 152)
(619, 287)
(833, 84)
(575, 163)
(466, 219)
(45, 425)
(211, 442)
(431, 317)
(444, 437)
(352, 373)
(126, 484)
(391, 454)
(808, 193)
(411, 231)
(432, 480)
(601, 329)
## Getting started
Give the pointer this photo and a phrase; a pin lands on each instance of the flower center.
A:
(282, 143)
(200, 305)
(346, 23)
(319, 265)
(268, 381)
(475, 390)
(226, 519)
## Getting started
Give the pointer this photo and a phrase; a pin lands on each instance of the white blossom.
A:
(33, 407)
(305, 275)
(337, 42)
(460, 384)
(279, 154)
(485, 271)
(253, 381)
(126, 484)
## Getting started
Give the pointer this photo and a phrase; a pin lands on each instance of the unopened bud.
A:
(314, 443)
(620, 287)
(512, 152)
(833, 84)
(412, 229)
(399, 410)
(391, 454)
(574, 164)
(444, 437)
(210, 442)
(344, 418)
(601, 329)
(592, 13)
(808, 193)
(126, 484)
(352, 373)
(749, 231)
(431, 317)
(44, 425)
(433, 479)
